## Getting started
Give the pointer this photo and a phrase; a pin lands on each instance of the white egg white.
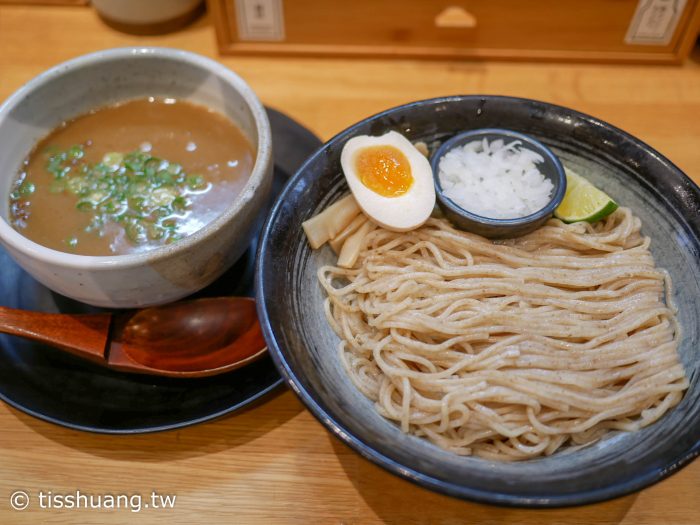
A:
(404, 212)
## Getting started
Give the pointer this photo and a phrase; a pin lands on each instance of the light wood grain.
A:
(275, 463)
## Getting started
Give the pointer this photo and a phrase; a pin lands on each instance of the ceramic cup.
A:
(148, 17)
(99, 79)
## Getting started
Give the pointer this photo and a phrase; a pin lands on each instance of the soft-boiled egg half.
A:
(390, 179)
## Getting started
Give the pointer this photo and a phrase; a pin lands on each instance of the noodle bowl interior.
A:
(506, 350)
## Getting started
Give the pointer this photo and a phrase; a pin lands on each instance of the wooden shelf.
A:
(553, 30)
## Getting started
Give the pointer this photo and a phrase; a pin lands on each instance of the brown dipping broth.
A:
(198, 143)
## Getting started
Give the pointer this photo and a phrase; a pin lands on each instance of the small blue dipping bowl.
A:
(488, 226)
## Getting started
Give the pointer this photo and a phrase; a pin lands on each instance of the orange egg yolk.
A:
(384, 169)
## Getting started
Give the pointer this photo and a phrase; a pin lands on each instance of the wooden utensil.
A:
(185, 339)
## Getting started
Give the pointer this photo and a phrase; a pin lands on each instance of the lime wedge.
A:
(583, 201)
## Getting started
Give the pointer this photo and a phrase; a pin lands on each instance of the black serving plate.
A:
(303, 345)
(61, 389)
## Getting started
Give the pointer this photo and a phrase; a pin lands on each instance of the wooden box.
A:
(658, 31)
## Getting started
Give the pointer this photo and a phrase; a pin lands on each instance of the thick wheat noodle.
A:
(514, 349)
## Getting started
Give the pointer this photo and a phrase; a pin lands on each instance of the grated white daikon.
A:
(495, 180)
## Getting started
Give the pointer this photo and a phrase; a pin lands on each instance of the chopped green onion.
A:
(180, 203)
(136, 232)
(27, 188)
(196, 182)
(163, 196)
(85, 205)
(76, 152)
(174, 168)
(145, 195)
(113, 160)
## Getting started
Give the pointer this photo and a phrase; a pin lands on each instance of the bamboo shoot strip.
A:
(423, 148)
(337, 242)
(353, 245)
(326, 225)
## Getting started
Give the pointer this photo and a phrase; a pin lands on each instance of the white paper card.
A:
(654, 21)
(260, 20)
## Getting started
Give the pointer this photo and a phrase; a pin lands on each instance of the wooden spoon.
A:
(195, 338)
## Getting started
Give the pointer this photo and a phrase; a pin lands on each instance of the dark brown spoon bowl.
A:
(196, 338)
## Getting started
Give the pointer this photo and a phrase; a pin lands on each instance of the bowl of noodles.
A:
(558, 368)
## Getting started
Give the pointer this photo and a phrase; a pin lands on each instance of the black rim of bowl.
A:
(366, 450)
(535, 146)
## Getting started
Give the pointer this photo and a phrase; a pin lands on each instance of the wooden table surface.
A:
(275, 463)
